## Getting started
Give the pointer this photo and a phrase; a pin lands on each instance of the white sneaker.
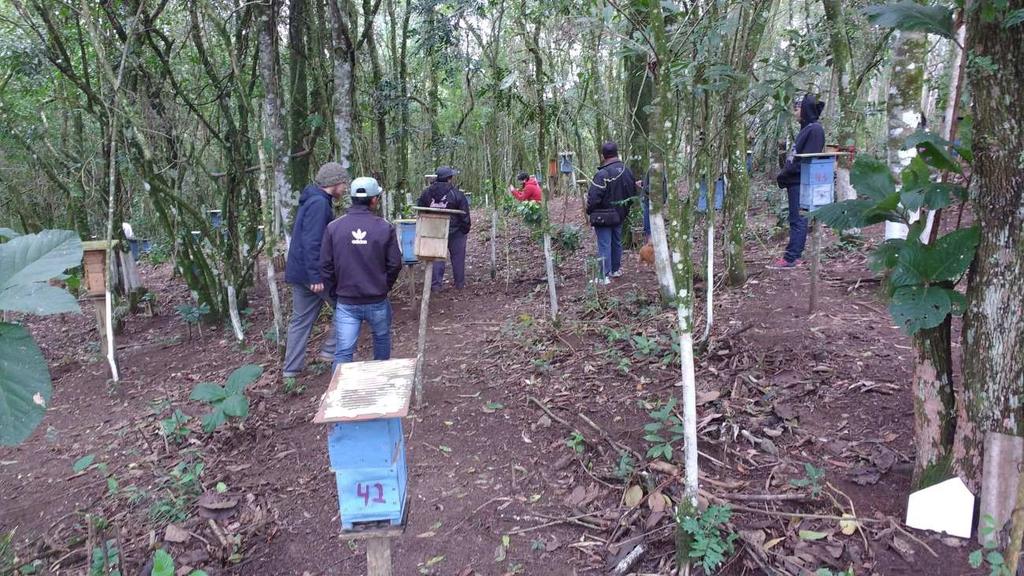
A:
(617, 273)
(603, 281)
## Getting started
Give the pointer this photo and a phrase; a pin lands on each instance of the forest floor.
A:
(529, 456)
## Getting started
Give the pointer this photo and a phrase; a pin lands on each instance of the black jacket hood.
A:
(810, 110)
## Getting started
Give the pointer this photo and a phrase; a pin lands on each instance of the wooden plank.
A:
(437, 210)
(368, 391)
(378, 557)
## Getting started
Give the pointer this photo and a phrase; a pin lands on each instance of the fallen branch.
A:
(627, 563)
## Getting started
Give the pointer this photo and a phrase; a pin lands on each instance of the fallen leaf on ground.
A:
(848, 527)
(175, 534)
(634, 494)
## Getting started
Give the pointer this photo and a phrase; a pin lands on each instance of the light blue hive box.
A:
(365, 403)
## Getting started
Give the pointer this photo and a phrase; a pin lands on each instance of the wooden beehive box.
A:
(95, 259)
(366, 401)
(432, 233)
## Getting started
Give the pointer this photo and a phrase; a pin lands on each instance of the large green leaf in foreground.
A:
(28, 262)
(24, 384)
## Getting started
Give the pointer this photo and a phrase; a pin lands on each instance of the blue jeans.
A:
(797, 225)
(609, 248)
(348, 319)
(646, 204)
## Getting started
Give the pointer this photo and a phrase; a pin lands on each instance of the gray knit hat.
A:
(330, 174)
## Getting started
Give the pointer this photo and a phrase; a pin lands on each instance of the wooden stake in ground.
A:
(421, 339)
(815, 261)
(378, 557)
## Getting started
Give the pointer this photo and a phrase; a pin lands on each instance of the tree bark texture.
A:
(903, 107)
(934, 410)
(993, 330)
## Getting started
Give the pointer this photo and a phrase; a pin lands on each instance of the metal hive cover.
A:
(367, 391)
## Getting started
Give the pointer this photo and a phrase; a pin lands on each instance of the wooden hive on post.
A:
(366, 402)
(432, 233)
(94, 256)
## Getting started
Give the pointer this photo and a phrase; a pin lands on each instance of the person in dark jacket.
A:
(302, 270)
(360, 262)
(810, 140)
(443, 193)
(607, 207)
(530, 189)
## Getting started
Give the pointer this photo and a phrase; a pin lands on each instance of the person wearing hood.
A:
(530, 189)
(302, 270)
(443, 193)
(607, 207)
(810, 140)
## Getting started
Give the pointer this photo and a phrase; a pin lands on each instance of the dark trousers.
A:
(306, 307)
(797, 225)
(457, 255)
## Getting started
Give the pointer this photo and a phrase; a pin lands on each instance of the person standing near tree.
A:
(810, 140)
(302, 269)
(607, 207)
(443, 193)
(359, 263)
(529, 190)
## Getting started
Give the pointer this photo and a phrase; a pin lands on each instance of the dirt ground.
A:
(530, 449)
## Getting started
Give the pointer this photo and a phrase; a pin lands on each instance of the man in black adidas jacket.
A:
(359, 263)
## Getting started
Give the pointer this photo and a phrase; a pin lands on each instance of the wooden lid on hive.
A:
(368, 391)
(437, 211)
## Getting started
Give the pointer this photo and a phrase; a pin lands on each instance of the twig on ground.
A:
(569, 520)
(627, 563)
(473, 513)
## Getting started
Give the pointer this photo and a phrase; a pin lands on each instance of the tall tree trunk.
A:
(273, 119)
(993, 397)
(932, 383)
(298, 88)
(342, 71)
(755, 18)
(903, 107)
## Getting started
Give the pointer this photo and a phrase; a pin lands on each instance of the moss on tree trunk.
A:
(993, 330)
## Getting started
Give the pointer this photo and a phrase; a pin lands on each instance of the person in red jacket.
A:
(530, 191)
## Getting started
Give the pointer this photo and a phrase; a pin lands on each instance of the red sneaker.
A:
(782, 264)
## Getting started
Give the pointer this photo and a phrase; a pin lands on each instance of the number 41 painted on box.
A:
(363, 491)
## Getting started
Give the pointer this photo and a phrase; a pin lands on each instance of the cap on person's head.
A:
(609, 149)
(364, 187)
(330, 174)
(522, 177)
(445, 173)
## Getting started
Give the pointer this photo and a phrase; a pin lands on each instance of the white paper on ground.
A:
(945, 507)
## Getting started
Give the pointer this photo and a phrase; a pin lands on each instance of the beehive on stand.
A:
(406, 230)
(817, 180)
(366, 402)
(432, 233)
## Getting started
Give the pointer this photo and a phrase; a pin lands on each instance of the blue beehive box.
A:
(368, 460)
(364, 403)
(407, 240)
(702, 199)
(817, 182)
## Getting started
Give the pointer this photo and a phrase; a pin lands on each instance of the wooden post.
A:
(815, 260)
(412, 285)
(421, 341)
(494, 241)
(378, 557)
(100, 307)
